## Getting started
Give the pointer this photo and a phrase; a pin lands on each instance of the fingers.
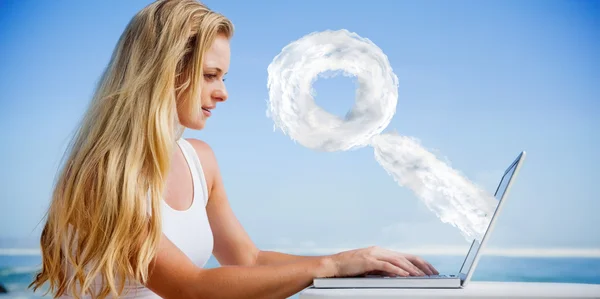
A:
(422, 264)
(413, 264)
(409, 266)
(400, 261)
(403, 263)
(435, 272)
(390, 268)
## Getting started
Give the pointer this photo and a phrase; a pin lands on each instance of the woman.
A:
(138, 210)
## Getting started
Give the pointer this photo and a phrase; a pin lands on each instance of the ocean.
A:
(16, 271)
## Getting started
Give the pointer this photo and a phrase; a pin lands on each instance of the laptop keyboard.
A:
(426, 276)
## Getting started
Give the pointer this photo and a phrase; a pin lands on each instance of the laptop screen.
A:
(499, 195)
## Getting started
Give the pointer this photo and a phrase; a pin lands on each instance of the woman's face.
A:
(216, 65)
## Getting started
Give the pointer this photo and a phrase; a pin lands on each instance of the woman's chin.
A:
(197, 124)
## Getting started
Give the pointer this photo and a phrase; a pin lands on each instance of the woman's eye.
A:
(210, 76)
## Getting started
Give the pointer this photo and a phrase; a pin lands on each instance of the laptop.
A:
(458, 280)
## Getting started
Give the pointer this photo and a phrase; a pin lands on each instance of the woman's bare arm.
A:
(173, 275)
(232, 245)
(265, 257)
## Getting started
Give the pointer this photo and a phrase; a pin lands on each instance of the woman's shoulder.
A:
(203, 150)
(207, 157)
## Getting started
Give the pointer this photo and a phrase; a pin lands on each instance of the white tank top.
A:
(189, 230)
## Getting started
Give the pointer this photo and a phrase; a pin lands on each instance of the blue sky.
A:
(478, 84)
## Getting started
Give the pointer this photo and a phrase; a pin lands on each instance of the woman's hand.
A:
(378, 260)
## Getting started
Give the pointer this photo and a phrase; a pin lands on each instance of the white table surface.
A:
(487, 290)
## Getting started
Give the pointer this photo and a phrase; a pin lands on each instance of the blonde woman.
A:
(137, 210)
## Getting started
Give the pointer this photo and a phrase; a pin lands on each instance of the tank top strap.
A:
(198, 177)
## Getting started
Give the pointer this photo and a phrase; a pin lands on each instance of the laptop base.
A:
(369, 282)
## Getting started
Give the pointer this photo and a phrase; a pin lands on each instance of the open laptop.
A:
(458, 280)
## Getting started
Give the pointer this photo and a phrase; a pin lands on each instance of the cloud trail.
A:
(449, 195)
(453, 198)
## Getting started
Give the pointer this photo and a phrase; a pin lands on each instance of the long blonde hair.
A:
(100, 222)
